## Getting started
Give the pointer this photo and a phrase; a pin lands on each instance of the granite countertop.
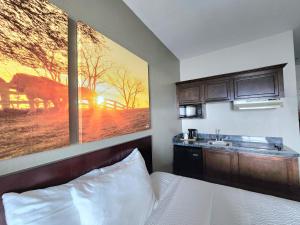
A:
(273, 146)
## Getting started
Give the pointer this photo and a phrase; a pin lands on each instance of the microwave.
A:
(188, 111)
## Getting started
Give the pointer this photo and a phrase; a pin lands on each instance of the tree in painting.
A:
(128, 87)
(113, 88)
(33, 77)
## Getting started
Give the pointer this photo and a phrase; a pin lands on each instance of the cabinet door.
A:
(189, 93)
(279, 170)
(218, 164)
(266, 84)
(218, 90)
(187, 161)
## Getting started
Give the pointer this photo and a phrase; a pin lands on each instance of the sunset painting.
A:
(33, 77)
(113, 88)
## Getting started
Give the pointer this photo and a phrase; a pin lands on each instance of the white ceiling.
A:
(193, 27)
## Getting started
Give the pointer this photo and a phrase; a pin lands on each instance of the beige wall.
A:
(116, 21)
(298, 84)
(264, 52)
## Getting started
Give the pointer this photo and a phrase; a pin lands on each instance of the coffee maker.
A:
(192, 134)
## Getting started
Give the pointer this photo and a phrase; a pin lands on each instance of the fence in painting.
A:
(106, 104)
(11, 99)
(113, 105)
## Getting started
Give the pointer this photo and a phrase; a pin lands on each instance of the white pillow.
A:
(121, 195)
(49, 206)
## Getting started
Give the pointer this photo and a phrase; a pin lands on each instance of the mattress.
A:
(186, 201)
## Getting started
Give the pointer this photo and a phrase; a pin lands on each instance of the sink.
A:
(220, 143)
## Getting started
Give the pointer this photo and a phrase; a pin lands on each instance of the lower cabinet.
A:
(268, 169)
(237, 168)
(219, 164)
(188, 161)
(250, 168)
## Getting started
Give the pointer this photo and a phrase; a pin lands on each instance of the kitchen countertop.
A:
(239, 146)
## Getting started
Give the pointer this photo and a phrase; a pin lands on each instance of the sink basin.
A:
(220, 143)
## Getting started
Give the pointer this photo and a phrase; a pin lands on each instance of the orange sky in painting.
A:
(122, 58)
(33, 42)
(9, 68)
(36, 34)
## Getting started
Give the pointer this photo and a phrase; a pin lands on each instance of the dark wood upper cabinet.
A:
(218, 90)
(258, 83)
(190, 93)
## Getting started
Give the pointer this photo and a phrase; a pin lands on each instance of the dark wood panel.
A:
(263, 85)
(66, 170)
(218, 90)
(268, 169)
(251, 72)
(256, 83)
(218, 164)
(190, 93)
(277, 176)
(282, 191)
(263, 168)
(293, 172)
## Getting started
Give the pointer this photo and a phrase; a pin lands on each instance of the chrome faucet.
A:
(218, 135)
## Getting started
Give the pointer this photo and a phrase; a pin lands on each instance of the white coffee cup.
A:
(185, 136)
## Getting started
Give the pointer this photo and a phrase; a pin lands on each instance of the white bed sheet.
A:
(185, 201)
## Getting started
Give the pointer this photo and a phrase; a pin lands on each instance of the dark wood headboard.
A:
(63, 171)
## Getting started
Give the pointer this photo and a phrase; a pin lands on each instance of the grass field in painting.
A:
(30, 133)
(96, 126)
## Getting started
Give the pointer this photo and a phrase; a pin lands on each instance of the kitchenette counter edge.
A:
(236, 147)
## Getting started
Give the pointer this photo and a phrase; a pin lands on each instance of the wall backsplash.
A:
(116, 21)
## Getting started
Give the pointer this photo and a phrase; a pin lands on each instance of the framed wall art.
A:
(33, 77)
(113, 87)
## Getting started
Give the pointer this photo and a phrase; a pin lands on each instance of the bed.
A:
(186, 201)
(180, 200)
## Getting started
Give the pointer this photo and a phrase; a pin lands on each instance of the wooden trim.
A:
(235, 167)
(63, 171)
(281, 83)
(293, 172)
(240, 73)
